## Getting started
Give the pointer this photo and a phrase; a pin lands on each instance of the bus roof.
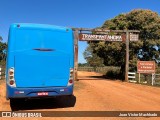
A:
(39, 26)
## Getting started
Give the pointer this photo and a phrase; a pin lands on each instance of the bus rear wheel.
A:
(15, 104)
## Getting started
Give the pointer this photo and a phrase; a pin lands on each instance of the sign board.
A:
(134, 37)
(95, 37)
(146, 66)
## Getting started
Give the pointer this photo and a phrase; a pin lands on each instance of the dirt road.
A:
(94, 93)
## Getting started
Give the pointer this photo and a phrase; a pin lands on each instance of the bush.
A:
(113, 74)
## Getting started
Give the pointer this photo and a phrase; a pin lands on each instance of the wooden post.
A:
(139, 75)
(127, 56)
(153, 78)
(0, 72)
(76, 37)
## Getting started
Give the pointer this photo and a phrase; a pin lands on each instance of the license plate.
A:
(42, 93)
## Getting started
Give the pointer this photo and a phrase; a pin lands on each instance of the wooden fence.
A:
(156, 79)
(2, 72)
(102, 70)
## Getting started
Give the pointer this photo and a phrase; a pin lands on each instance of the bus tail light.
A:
(11, 82)
(70, 81)
(11, 77)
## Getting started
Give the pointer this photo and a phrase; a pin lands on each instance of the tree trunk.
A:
(122, 72)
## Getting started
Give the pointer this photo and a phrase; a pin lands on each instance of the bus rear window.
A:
(26, 39)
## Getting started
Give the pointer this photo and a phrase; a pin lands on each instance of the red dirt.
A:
(94, 93)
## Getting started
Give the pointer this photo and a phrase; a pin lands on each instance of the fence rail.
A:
(98, 69)
(155, 79)
(2, 72)
(132, 77)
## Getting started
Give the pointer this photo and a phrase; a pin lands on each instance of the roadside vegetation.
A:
(3, 47)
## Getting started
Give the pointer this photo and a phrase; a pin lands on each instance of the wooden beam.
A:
(104, 30)
(76, 37)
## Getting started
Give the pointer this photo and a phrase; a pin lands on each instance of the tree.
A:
(1, 38)
(3, 47)
(82, 64)
(92, 58)
(147, 48)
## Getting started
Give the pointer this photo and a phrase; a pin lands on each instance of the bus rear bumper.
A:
(38, 92)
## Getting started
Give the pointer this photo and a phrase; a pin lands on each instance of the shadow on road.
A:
(103, 77)
(44, 103)
(92, 78)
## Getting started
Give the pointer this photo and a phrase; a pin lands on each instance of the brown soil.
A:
(94, 93)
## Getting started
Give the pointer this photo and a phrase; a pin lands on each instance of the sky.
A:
(68, 13)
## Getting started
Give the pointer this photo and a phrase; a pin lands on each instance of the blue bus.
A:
(40, 61)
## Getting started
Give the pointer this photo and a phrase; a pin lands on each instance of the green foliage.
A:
(92, 58)
(113, 74)
(113, 53)
(82, 64)
(3, 46)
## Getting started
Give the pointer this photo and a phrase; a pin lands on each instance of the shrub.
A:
(113, 74)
